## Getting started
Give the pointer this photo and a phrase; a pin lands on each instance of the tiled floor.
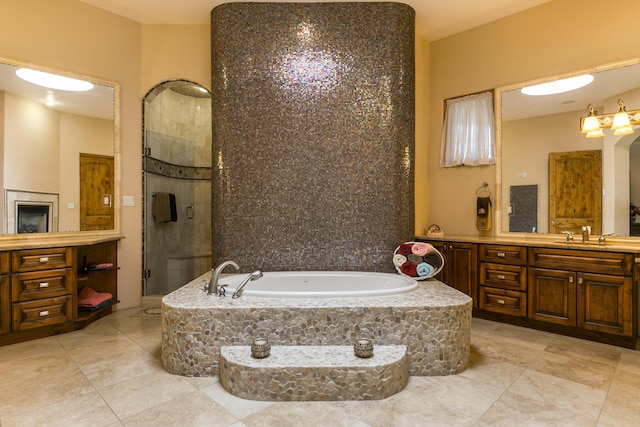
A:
(109, 375)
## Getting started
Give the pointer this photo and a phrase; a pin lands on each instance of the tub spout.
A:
(213, 286)
(253, 276)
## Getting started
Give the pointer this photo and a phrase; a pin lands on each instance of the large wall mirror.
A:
(58, 151)
(550, 177)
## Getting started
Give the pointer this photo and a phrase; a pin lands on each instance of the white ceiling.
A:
(435, 19)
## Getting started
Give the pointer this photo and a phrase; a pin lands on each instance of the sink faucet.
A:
(569, 235)
(253, 276)
(586, 233)
(213, 286)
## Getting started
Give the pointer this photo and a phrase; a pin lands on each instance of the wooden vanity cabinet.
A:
(503, 279)
(39, 289)
(460, 269)
(585, 289)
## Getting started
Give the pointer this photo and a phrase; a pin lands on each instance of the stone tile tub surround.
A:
(314, 133)
(433, 321)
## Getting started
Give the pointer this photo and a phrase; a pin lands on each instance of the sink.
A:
(581, 243)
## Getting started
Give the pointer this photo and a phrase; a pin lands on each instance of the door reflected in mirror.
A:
(48, 135)
(537, 130)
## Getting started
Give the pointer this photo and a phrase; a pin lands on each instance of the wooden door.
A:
(96, 192)
(575, 191)
(605, 303)
(552, 296)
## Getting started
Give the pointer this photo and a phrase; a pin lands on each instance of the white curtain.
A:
(468, 137)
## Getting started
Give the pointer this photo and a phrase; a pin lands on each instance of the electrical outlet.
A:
(127, 201)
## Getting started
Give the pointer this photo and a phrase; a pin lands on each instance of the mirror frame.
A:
(80, 236)
(498, 135)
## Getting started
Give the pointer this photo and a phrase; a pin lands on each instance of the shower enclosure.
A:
(177, 185)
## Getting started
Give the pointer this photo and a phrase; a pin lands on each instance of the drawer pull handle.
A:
(44, 259)
(501, 254)
(501, 276)
(501, 301)
(44, 284)
(44, 313)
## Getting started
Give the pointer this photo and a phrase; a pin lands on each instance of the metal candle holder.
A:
(363, 348)
(260, 348)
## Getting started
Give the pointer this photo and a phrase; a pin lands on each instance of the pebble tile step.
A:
(306, 373)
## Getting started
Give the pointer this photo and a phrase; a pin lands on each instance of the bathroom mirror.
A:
(531, 128)
(59, 155)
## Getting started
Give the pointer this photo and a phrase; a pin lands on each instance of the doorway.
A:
(176, 185)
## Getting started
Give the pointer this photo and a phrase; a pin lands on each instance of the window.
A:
(468, 132)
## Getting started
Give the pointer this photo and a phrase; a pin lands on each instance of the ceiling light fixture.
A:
(53, 81)
(619, 122)
(558, 86)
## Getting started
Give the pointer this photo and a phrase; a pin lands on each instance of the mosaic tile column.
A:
(313, 134)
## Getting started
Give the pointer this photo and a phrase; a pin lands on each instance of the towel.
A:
(89, 298)
(163, 207)
(483, 210)
(415, 259)
(421, 249)
(398, 260)
(409, 269)
(425, 269)
(405, 249)
(433, 259)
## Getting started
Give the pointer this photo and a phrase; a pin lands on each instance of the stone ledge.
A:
(304, 373)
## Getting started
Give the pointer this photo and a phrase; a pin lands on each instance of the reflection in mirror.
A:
(57, 149)
(553, 179)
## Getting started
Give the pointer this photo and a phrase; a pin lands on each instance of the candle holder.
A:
(363, 348)
(260, 348)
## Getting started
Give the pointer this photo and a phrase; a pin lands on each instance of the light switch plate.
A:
(127, 201)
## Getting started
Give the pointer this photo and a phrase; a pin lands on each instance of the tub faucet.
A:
(213, 286)
(253, 276)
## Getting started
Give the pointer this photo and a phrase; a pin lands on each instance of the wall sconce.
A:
(619, 122)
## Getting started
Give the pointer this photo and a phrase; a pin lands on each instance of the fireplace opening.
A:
(33, 218)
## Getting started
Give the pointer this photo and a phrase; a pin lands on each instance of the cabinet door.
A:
(461, 262)
(605, 303)
(552, 296)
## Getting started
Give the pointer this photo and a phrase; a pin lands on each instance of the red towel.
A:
(409, 269)
(90, 298)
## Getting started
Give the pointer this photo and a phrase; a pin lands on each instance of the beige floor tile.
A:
(81, 411)
(515, 410)
(530, 337)
(192, 409)
(491, 371)
(563, 394)
(96, 332)
(622, 405)
(28, 349)
(240, 408)
(508, 351)
(630, 361)
(588, 350)
(481, 326)
(133, 396)
(584, 371)
(326, 414)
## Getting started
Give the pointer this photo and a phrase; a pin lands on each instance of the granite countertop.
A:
(555, 241)
(55, 240)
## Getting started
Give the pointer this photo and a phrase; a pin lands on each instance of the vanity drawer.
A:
(503, 254)
(615, 263)
(503, 301)
(44, 312)
(5, 266)
(512, 277)
(41, 259)
(41, 284)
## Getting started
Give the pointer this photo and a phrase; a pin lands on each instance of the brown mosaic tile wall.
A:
(313, 134)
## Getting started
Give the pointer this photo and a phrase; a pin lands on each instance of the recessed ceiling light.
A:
(53, 81)
(558, 86)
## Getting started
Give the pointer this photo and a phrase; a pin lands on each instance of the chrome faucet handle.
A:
(569, 235)
(603, 238)
(222, 292)
(206, 285)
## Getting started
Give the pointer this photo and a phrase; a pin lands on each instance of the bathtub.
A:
(321, 284)
(430, 318)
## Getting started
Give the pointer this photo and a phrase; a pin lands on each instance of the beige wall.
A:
(557, 37)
